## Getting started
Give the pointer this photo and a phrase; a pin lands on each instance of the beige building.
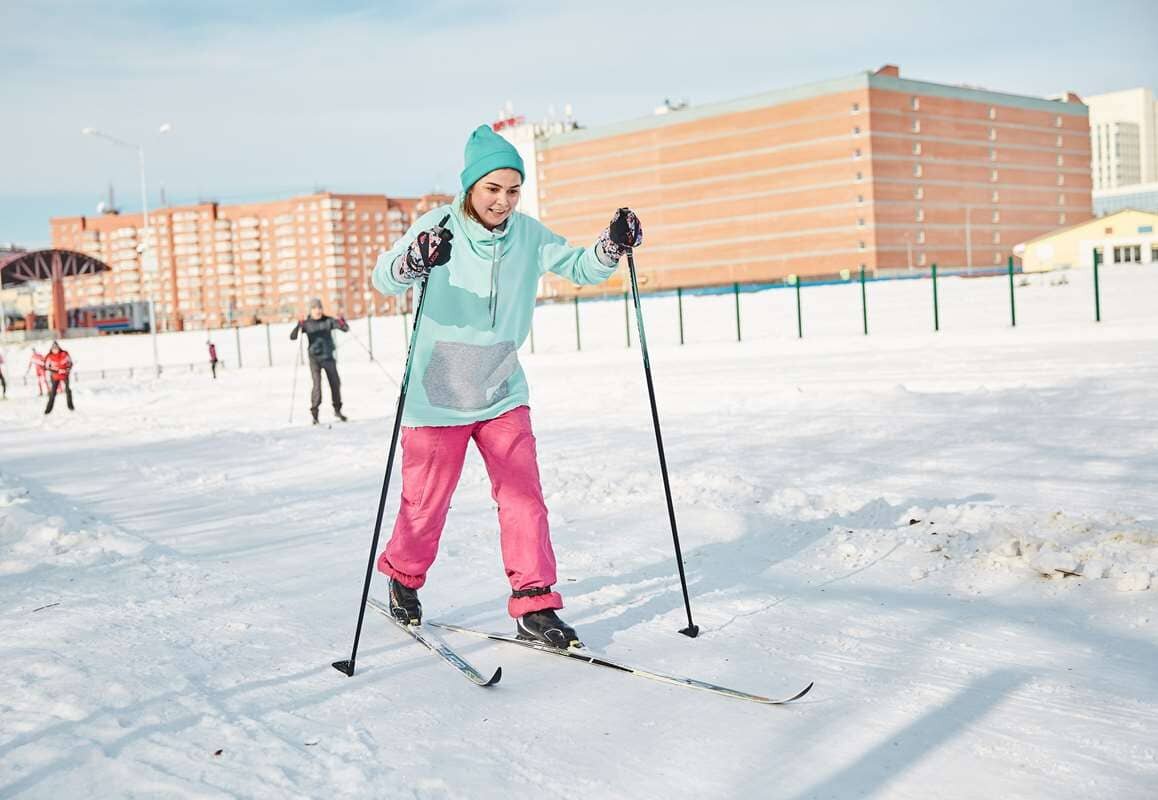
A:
(1123, 138)
(1127, 237)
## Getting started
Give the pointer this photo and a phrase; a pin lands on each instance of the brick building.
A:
(873, 171)
(220, 265)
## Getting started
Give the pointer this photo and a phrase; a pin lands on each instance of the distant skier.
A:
(36, 361)
(58, 364)
(213, 359)
(467, 382)
(318, 329)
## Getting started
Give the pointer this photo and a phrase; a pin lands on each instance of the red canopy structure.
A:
(48, 265)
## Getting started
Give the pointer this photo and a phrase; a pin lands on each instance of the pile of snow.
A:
(35, 531)
(1020, 541)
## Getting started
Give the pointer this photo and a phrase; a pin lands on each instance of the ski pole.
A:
(692, 630)
(376, 361)
(347, 666)
(294, 390)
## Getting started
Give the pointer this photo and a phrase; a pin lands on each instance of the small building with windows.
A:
(1126, 237)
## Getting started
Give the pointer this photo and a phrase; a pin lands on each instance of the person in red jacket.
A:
(58, 364)
(37, 361)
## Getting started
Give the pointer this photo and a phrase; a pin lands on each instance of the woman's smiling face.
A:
(495, 195)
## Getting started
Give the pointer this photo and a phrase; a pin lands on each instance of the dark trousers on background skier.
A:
(331, 369)
(55, 385)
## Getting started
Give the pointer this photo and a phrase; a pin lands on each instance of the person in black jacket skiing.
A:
(318, 329)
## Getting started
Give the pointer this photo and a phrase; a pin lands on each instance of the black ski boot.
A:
(404, 603)
(546, 627)
(314, 414)
(341, 417)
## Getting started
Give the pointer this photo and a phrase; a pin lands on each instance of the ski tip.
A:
(498, 676)
(799, 694)
(345, 667)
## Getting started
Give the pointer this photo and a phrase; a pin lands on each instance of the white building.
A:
(1123, 138)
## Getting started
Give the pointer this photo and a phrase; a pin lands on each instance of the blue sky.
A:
(268, 99)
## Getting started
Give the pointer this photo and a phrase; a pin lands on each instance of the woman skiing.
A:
(481, 262)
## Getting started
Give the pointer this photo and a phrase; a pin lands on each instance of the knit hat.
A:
(486, 151)
(316, 303)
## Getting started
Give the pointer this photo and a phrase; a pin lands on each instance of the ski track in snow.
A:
(887, 517)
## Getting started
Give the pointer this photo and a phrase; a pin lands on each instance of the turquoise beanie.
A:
(486, 151)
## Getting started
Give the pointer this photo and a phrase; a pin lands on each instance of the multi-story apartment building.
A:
(1124, 129)
(871, 171)
(209, 265)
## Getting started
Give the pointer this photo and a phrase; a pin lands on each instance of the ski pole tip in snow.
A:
(345, 667)
(691, 631)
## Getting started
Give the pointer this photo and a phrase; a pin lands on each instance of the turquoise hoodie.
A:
(477, 313)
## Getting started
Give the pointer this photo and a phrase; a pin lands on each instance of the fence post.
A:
(799, 314)
(237, 341)
(680, 309)
(627, 318)
(863, 302)
(370, 335)
(268, 345)
(736, 292)
(1012, 303)
(936, 309)
(578, 341)
(1097, 290)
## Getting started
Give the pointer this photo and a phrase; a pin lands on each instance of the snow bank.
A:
(35, 531)
(978, 538)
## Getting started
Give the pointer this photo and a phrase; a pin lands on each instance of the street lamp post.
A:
(142, 248)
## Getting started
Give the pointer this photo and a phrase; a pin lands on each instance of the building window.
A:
(993, 176)
(1059, 141)
(1061, 219)
(860, 199)
(860, 245)
(996, 258)
(916, 126)
(856, 153)
(856, 108)
(917, 171)
(1057, 122)
(859, 177)
(920, 237)
(992, 112)
(996, 216)
(920, 215)
(915, 103)
(860, 222)
(992, 155)
(997, 237)
(1060, 160)
(856, 130)
(921, 259)
(993, 134)
(995, 197)
(1061, 180)
(919, 193)
(1154, 254)
(916, 148)
(1061, 199)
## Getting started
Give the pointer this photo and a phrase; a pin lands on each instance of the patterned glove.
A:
(429, 249)
(624, 233)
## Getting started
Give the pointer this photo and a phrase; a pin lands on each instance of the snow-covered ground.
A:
(954, 535)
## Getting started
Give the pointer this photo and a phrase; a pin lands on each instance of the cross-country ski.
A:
(583, 655)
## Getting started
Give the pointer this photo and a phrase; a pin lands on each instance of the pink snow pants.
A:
(432, 459)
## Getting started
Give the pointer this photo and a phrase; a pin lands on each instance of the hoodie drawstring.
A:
(495, 264)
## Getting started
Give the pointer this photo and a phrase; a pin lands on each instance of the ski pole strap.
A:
(533, 592)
